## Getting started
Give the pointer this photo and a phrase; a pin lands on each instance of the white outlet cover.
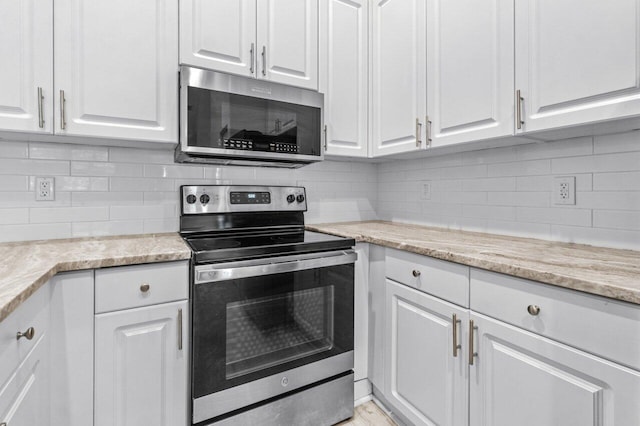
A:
(564, 190)
(45, 189)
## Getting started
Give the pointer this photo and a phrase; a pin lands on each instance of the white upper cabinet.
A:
(116, 69)
(344, 77)
(398, 76)
(219, 34)
(577, 62)
(26, 80)
(470, 70)
(268, 39)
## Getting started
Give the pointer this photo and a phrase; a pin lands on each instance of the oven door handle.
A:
(253, 268)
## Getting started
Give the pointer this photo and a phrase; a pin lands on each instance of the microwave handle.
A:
(269, 266)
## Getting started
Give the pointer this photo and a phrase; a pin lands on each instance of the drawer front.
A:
(34, 312)
(604, 327)
(446, 280)
(127, 287)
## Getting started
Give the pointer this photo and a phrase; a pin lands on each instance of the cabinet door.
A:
(288, 42)
(344, 80)
(140, 368)
(398, 76)
(519, 378)
(24, 398)
(219, 35)
(425, 382)
(26, 49)
(577, 62)
(470, 70)
(117, 64)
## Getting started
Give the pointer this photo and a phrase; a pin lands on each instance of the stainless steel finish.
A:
(253, 58)
(180, 329)
(273, 265)
(472, 354)
(231, 399)
(3, 424)
(193, 77)
(533, 309)
(426, 119)
(28, 334)
(519, 100)
(144, 287)
(325, 137)
(63, 122)
(264, 60)
(418, 133)
(455, 321)
(40, 110)
(219, 201)
(416, 273)
(331, 402)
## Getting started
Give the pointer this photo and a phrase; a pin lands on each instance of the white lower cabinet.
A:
(519, 378)
(141, 366)
(426, 368)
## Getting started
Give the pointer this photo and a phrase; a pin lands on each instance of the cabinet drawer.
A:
(604, 327)
(34, 312)
(446, 280)
(141, 285)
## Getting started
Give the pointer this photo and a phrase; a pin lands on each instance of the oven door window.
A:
(248, 328)
(230, 121)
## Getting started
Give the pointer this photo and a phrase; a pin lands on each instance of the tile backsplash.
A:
(509, 190)
(107, 190)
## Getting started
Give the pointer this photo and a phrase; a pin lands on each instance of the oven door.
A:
(264, 327)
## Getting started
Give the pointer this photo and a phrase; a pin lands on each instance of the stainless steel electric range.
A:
(271, 309)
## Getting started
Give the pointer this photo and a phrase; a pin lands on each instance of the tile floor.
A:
(368, 414)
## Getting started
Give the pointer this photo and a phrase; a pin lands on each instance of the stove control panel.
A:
(206, 199)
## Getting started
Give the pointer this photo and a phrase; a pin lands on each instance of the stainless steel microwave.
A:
(226, 119)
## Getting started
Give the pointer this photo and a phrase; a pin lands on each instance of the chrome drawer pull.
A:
(27, 334)
(456, 345)
(145, 287)
(180, 329)
(472, 354)
(416, 273)
(533, 310)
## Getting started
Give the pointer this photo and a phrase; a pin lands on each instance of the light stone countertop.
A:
(612, 273)
(26, 266)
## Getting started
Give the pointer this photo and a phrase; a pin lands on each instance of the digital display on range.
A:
(250, 198)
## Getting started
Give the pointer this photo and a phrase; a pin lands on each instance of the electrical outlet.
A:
(425, 193)
(564, 190)
(44, 189)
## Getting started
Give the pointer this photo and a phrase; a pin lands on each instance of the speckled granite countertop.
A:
(612, 273)
(26, 266)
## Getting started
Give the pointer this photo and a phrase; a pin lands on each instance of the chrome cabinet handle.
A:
(253, 59)
(416, 273)
(63, 123)
(180, 329)
(40, 110)
(145, 287)
(28, 334)
(264, 60)
(519, 100)
(472, 354)
(428, 130)
(456, 345)
(325, 137)
(533, 310)
(418, 132)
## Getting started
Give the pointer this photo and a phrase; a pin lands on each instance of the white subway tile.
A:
(14, 183)
(622, 142)
(489, 156)
(241, 175)
(489, 184)
(158, 211)
(140, 184)
(30, 232)
(625, 239)
(14, 216)
(77, 183)
(169, 197)
(519, 229)
(545, 183)
(555, 149)
(489, 212)
(605, 200)
(622, 181)
(448, 160)
(28, 199)
(57, 151)
(142, 156)
(106, 198)
(532, 199)
(17, 166)
(112, 227)
(554, 215)
(68, 214)
(420, 174)
(157, 226)
(463, 197)
(616, 219)
(465, 172)
(18, 149)
(597, 163)
(520, 168)
(176, 171)
(82, 168)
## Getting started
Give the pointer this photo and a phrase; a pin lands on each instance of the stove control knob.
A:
(204, 199)
(191, 198)
(300, 198)
(291, 198)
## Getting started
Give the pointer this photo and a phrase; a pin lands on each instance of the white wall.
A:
(110, 191)
(508, 190)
